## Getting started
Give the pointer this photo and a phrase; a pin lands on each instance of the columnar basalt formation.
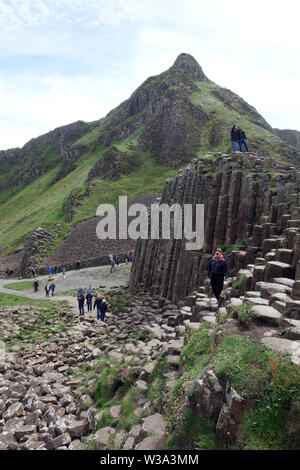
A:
(247, 199)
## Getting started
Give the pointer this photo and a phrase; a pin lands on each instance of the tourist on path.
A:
(52, 288)
(103, 309)
(117, 260)
(33, 271)
(234, 138)
(217, 270)
(64, 272)
(36, 285)
(47, 289)
(242, 139)
(89, 300)
(112, 266)
(49, 271)
(55, 270)
(78, 266)
(98, 303)
(80, 299)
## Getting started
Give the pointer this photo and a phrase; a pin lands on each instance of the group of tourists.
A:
(238, 136)
(99, 303)
(54, 271)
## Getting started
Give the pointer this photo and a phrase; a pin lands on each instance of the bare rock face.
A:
(33, 158)
(207, 398)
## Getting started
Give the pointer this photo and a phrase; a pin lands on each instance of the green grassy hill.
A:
(64, 175)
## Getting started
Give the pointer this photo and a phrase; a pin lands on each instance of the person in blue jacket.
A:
(217, 271)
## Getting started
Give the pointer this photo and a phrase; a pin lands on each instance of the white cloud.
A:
(64, 60)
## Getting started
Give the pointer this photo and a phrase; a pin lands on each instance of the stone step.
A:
(293, 330)
(252, 293)
(284, 255)
(293, 223)
(260, 261)
(285, 281)
(256, 300)
(280, 306)
(269, 288)
(276, 269)
(293, 309)
(266, 313)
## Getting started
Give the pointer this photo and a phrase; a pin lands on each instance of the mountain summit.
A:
(187, 64)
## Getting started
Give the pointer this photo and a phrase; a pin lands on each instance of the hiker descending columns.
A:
(217, 270)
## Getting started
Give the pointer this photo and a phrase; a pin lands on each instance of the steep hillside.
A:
(290, 136)
(64, 175)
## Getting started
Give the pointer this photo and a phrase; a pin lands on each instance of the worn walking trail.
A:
(99, 276)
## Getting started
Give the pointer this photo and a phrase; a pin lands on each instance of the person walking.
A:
(217, 270)
(49, 271)
(36, 285)
(98, 303)
(234, 138)
(78, 266)
(47, 289)
(89, 300)
(131, 256)
(33, 271)
(80, 299)
(64, 273)
(242, 139)
(55, 270)
(112, 266)
(103, 310)
(117, 260)
(52, 288)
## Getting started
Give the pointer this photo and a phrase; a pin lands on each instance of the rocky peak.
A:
(187, 63)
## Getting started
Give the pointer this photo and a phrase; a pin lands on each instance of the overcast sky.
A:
(64, 60)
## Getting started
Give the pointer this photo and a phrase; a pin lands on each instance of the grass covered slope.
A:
(42, 201)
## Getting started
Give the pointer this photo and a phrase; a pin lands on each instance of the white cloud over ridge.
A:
(63, 60)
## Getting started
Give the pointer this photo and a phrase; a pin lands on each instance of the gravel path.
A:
(96, 276)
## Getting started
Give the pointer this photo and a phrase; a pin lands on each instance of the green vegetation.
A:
(39, 320)
(11, 300)
(243, 313)
(269, 381)
(29, 207)
(239, 281)
(22, 285)
(156, 384)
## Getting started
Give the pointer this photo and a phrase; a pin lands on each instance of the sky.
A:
(65, 60)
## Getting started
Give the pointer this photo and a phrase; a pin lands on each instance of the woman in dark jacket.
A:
(98, 303)
(217, 270)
